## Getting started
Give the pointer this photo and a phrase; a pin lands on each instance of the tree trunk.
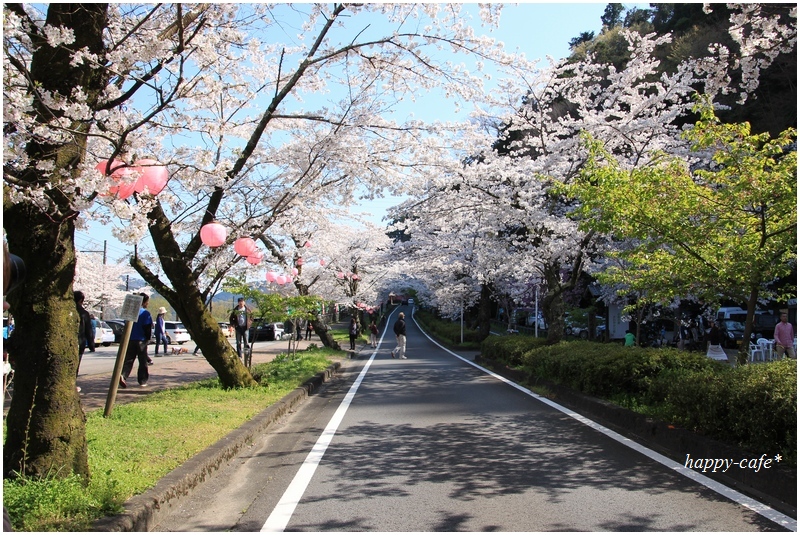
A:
(323, 331)
(743, 356)
(187, 300)
(553, 306)
(485, 312)
(320, 325)
(46, 427)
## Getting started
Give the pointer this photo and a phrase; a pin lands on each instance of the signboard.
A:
(131, 306)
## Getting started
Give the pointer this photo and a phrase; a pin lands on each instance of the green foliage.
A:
(275, 307)
(53, 504)
(753, 406)
(144, 440)
(704, 232)
(447, 331)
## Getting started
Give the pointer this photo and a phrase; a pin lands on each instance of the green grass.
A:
(143, 441)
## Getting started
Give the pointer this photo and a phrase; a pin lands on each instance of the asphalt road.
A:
(433, 443)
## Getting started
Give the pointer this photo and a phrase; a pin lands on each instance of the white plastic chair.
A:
(756, 353)
(766, 345)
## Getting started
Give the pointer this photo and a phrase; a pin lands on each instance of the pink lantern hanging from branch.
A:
(322, 262)
(299, 262)
(340, 275)
(307, 244)
(244, 246)
(255, 258)
(272, 276)
(295, 271)
(281, 280)
(154, 176)
(115, 169)
(213, 234)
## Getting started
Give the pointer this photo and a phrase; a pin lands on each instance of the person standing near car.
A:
(85, 334)
(161, 331)
(141, 332)
(400, 332)
(241, 319)
(784, 338)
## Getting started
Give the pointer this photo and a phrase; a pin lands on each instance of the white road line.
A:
(282, 514)
(733, 495)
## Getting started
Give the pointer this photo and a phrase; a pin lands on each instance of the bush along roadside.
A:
(681, 403)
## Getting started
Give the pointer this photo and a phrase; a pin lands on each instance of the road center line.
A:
(282, 514)
(733, 495)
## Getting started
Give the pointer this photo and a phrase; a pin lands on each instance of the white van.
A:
(732, 313)
(411, 302)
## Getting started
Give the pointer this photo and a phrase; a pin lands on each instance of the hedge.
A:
(754, 406)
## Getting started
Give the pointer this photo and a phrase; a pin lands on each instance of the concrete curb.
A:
(776, 487)
(144, 511)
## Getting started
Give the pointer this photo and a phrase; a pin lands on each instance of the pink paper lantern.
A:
(244, 246)
(117, 166)
(307, 244)
(340, 275)
(289, 279)
(255, 258)
(153, 176)
(295, 271)
(272, 276)
(281, 280)
(322, 262)
(299, 262)
(213, 234)
(126, 184)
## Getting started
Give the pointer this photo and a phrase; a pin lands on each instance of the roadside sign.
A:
(131, 306)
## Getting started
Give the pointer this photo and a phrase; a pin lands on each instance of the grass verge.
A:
(143, 441)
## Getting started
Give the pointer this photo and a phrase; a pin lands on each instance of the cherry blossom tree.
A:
(101, 283)
(251, 123)
(513, 187)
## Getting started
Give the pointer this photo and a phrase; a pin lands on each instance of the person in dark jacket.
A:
(400, 331)
(85, 334)
(137, 346)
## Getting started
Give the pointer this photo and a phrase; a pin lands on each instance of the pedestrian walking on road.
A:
(353, 332)
(241, 318)
(373, 334)
(85, 336)
(141, 332)
(784, 338)
(161, 331)
(400, 331)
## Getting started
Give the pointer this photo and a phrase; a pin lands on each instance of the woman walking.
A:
(160, 330)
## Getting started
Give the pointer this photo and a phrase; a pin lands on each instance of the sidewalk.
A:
(165, 375)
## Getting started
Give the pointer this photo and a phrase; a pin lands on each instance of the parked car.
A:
(176, 332)
(102, 333)
(733, 333)
(261, 330)
(118, 328)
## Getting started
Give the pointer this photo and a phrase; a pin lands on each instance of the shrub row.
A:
(754, 406)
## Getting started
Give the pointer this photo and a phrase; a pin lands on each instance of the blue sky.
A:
(535, 29)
